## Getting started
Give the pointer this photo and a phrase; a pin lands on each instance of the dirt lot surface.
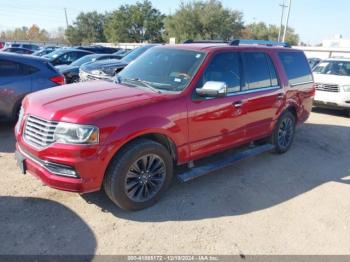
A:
(296, 203)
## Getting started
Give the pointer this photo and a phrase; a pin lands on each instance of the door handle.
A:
(237, 104)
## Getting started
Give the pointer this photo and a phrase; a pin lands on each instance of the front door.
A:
(218, 123)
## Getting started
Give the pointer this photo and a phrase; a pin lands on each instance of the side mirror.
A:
(213, 89)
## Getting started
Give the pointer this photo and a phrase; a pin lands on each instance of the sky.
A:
(313, 20)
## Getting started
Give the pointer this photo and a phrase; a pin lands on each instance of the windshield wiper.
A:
(138, 80)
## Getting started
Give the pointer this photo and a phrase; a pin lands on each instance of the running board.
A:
(201, 170)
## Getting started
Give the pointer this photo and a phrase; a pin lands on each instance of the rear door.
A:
(15, 83)
(264, 93)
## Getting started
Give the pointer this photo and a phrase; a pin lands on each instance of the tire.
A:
(127, 181)
(283, 135)
(74, 79)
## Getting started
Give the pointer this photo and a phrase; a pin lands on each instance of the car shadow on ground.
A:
(334, 112)
(320, 154)
(34, 226)
(7, 139)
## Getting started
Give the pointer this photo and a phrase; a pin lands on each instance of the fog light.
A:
(61, 170)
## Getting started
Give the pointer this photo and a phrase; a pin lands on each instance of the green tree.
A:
(204, 20)
(135, 23)
(262, 31)
(87, 28)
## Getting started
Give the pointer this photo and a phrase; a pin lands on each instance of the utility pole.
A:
(285, 28)
(65, 13)
(283, 6)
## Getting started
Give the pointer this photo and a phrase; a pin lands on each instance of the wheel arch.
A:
(292, 108)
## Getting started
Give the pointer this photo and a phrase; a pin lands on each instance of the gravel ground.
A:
(296, 203)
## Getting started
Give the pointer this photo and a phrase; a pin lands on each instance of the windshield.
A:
(163, 69)
(341, 68)
(84, 59)
(136, 53)
(55, 54)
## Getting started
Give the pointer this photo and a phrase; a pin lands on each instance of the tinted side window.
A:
(257, 71)
(224, 67)
(10, 68)
(28, 70)
(296, 67)
(273, 74)
(80, 54)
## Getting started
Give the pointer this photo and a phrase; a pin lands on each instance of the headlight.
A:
(97, 72)
(76, 134)
(346, 88)
(108, 70)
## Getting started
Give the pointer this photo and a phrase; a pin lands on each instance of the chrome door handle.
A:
(238, 104)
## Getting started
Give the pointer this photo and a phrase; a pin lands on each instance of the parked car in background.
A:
(17, 50)
(171, 106)
(32, 47)
(99, 49)
(2, 45)
(45, 50)
(313, 62)
(106, 70)
(332, 80)
(66, 56)
(71, 72)
(21, 75)
(121, 53)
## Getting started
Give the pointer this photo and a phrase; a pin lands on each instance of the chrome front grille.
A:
(327, 87)
(39, 132)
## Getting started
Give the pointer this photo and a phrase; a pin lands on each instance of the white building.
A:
(336, 42)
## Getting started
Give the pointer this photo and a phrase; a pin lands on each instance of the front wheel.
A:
(283, 135)
(139, 175)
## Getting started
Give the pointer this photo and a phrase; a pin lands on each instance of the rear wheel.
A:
(139, 175)
(283, 135)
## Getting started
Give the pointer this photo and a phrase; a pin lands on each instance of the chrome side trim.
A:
(302, 83)
(257, 90)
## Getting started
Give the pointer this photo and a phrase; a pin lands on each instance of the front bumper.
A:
(332, 99)
(86, 161)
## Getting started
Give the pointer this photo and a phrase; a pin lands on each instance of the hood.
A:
(98, 65)
(86, 102)
(331, 79)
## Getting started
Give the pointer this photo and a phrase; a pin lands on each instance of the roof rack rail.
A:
(238, 42)
(191, 41)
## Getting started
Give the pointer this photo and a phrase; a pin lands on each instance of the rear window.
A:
(296, 67)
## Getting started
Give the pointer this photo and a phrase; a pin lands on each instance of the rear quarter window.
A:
(12, 68)
(296, 67)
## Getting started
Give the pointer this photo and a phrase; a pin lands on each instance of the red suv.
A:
(173, 105)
